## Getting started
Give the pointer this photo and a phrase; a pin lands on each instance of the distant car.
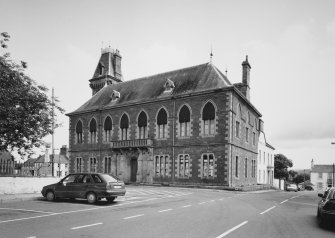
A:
(309, 188)
(90, 186)
(326, 207)
(292, 187)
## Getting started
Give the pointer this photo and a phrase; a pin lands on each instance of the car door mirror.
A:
(320, 195)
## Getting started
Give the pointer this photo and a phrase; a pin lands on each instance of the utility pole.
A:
(304, 180)
(52, 133)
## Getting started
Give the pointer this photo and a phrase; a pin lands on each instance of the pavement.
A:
(19, 197)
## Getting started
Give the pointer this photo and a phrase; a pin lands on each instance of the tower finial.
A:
(211, 54)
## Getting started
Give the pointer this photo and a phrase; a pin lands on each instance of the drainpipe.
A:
(231, 140)
(173, 135)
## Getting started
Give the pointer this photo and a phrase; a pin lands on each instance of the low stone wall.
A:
(15, 185)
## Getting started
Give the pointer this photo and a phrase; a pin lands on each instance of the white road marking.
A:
(221, 199)
(79, 227)
(201, 203)
(82, 210)
(212, 201)
(166, 210)
(31, 237)
(139, 215)
(267, 210)
(187, 206)
(284, 201)
(302, 203)
(25, 210)
(232, 229)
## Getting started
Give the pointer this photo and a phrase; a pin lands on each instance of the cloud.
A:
(331, 28)
(156, 58)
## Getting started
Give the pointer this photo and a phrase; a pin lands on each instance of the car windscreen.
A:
(108, 178)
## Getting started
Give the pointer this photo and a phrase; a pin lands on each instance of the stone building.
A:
(187, 126)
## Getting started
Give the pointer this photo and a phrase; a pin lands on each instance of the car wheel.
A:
(50, 196)
(91, 197)
(110, 199)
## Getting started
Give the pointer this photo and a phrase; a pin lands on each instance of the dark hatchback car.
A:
(326, 207)
(90, 186)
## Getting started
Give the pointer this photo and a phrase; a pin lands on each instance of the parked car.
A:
(326, 207)
(292, 187)
(90, 186)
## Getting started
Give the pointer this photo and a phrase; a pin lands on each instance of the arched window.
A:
(93, 131)
(184, 121)
(162, 123)
(208, 118)
(124, 125)
(142, 123)
(79, 132)
(108, 129)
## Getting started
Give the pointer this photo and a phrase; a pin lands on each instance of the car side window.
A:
(70, 179)
(79, 179)
(96, 178)
(87, 179)
(331, 194)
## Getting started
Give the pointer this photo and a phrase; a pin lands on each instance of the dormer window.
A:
(101, 69)
(115, 95)
(169, 85)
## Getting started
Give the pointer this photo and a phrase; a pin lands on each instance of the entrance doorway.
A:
(133, 169)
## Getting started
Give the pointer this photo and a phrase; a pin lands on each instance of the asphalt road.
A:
(168, 212)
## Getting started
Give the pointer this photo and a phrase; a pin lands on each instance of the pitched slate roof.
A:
(61, 159)
(322, 168)
(187, 80)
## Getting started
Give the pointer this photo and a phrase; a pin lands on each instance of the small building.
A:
(186, 126)
(265, 162)
(322, 175)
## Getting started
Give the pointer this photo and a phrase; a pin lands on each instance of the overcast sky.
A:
(290, 44)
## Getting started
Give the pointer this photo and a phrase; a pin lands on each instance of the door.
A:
(133, 169)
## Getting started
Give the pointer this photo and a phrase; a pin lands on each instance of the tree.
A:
(300, 178)
(292, 174)
(25, 109)
(281, 165)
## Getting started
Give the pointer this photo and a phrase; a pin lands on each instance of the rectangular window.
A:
(79, 165)
(93, 165)
(254, 138)
(320, 185)
(124, 133)
(108, 164)
(209, 127)
(247, 134)
(236, 167)
(208, 165)
(161, 165)
(142, 132)
(237, 129)
(93, 137)
(184, 165)
(79, 137)
(184, 129)
(161, 131)
(320, 175)
(246, 167)
(107, 136)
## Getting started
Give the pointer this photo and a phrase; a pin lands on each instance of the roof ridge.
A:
(171, 71)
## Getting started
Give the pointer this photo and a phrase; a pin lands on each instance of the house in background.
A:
(322, 175)
(265, 162)
(44, 165)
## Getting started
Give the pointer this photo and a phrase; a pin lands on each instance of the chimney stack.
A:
(63, 150)
(246, 78)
